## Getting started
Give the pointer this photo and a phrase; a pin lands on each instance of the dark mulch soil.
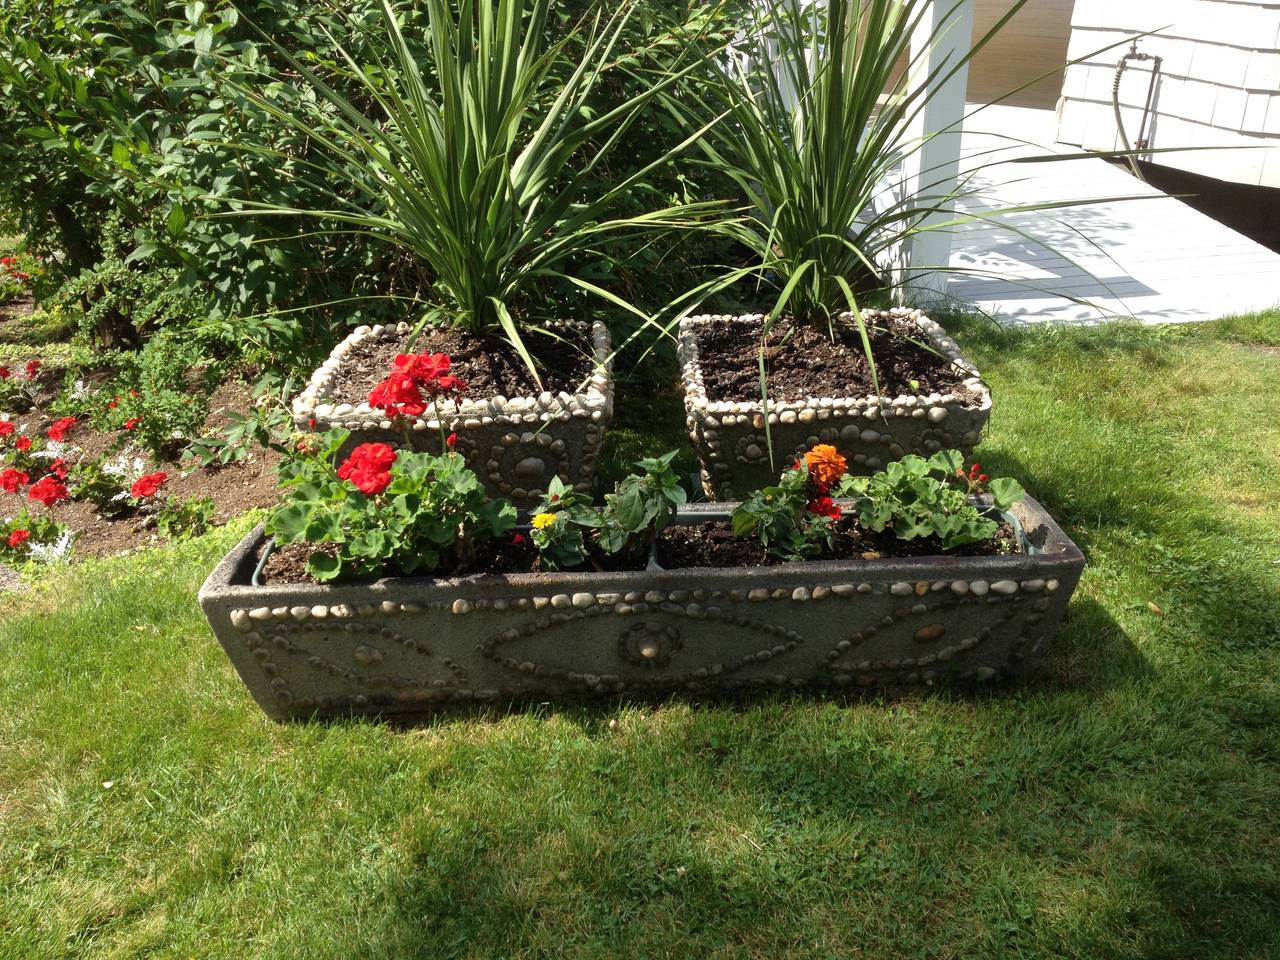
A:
(234, 489)
(489, 366)
(712, 544)
(803, 362)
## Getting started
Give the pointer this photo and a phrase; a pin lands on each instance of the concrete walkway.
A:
(1153, 258)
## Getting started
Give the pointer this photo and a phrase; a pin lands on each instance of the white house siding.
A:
(1219, 83)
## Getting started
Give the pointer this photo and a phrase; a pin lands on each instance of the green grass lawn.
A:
(1127, 804)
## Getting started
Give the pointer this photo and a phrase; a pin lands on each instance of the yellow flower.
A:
(543, 520)
(825, 464)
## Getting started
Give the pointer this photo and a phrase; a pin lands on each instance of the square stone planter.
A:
(729, 437)
(411, 645)
(515, 445)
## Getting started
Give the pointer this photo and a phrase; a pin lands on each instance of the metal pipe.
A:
(1156, 61)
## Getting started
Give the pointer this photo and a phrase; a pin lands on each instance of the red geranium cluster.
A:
(59, 429)
(975, 479)
(6, 428)
(10, 265)
(400, 395)
(18, 538)
(48, 490)
(13, 480)
(369, 467)
(147, 485)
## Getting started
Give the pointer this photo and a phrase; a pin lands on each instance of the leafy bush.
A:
(384, 510)
(138, 107)
(191, 517)
(915, 497)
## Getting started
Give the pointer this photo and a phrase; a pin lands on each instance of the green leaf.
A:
(289, 523)
(1006, 491)
(324, 567)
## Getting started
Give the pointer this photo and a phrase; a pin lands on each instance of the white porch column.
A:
(943, 36)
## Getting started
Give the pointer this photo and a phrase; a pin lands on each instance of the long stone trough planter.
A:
(729, 435)
(413, 645)
(515, 445)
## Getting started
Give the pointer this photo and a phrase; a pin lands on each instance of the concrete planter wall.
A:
(729, 438)
(412, 645)
(514, 444)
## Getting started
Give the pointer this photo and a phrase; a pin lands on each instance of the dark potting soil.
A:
(288, 563)
(709, 544)
(803, 362)
(489, 366)
(712, 544)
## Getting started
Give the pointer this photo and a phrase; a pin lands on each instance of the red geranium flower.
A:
(130, 424)
(22, 443)
(4, 373)
(449, 384)
(368, 467)
(115, 402)
(422, 366)
(824, 507)
(33, 368)
(398, 395)
(6, 428)
(48, 491)
(12, 480)
(59, 428)
(59, 468)
(18, 537)
(517, 539)
(146, 486)
(451, 441)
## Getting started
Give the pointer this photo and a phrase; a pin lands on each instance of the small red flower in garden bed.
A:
(59, 429)
(132, 423)
(49, 490)
(18, 538)
(6, 428)
(4, 373)
(824, 506)
(12, 480)
(147, 485)
(399, 396)
(22, 443)
(32, 369)
(59, 468)
(368, 468)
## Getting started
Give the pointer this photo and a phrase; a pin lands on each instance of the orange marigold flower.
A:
(825, 464)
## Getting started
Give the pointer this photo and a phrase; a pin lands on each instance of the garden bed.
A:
(407, 645)
(233, 489)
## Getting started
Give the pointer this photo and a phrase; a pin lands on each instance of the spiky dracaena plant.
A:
(818, 99)
(475, 161)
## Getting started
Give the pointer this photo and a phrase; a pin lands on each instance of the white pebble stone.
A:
(901, 589)
(843, 589)
(800, 593)
(540, 602)
(758, 594)
(979, 588)
(1051, 585)
(1005, 586)
(583, 600)
(240, 620)
(1033, 586)
(937, 414)
(821, 593)
(319, 612)
(300, 613)
(460, 606)
(864, 588)
(960, 587)
(389, 607)
(561, 601)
